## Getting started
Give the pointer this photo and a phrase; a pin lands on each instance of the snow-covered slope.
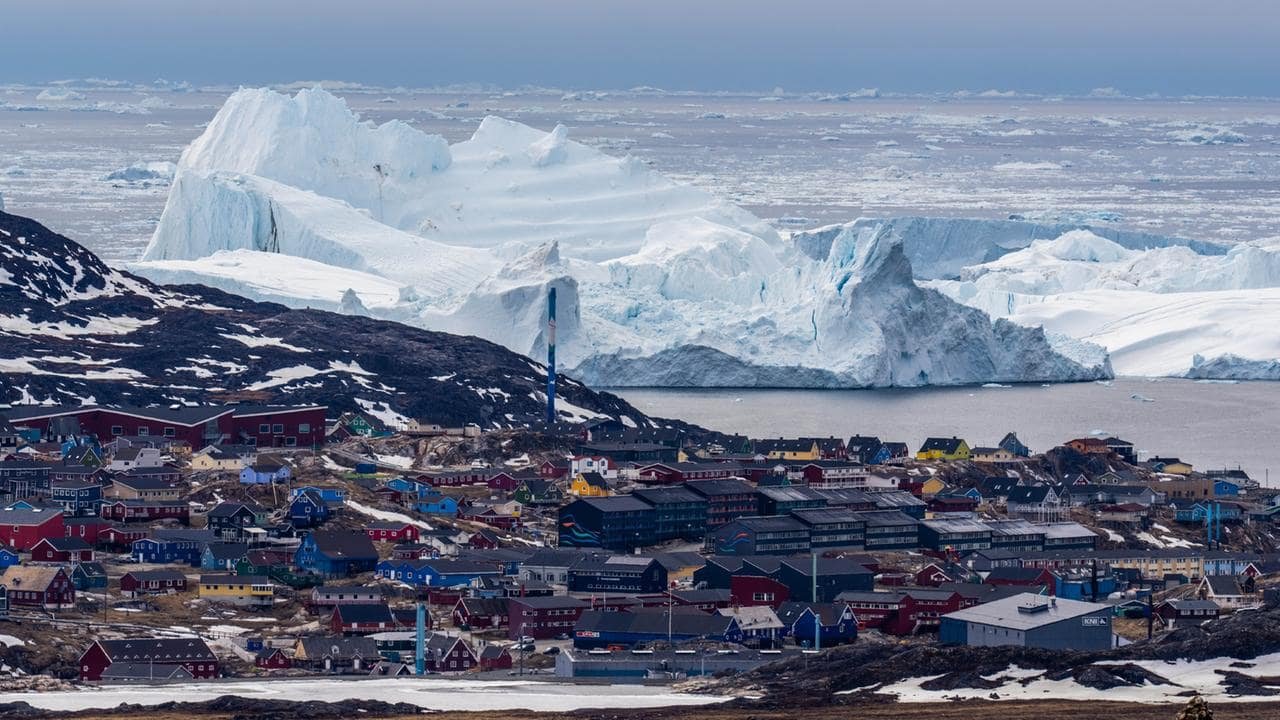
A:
(658, 283)
(1162, 311)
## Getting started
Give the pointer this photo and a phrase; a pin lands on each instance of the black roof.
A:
(344, 543)
(175, 650)
(727, 486)
(616, 503)
(946, 445)
(670, 495)
(365, 613)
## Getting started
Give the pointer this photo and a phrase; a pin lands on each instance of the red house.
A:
(363, 619)
(676, 473)
(503, 480)
(39, 586)
(193, 654)
(146, 510)
(908, 611)
(392, 531)
(116, 537)
(62, 550)
(272, 659)
(753, 590)
(1028, 577)
(457, 478)
(543, 617)
(261, 425)
(489, 517)
(152, 582)
(87, 529)
(484, 540)
(494, 657)
(21, 529)
(445, 653)
(481, 613)
(933, 575)
(552, 471)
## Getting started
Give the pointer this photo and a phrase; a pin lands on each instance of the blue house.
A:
(331, 495)
(1194, 512)
(172, 546)
(223, 555)
(89, 576)
(336, 553)
(434, 502)
(835, 621)
(1225, 488)
(403, 485)
(308, 509)
(8, 558)
(1078, 585)
(264, 471)
(436, 572)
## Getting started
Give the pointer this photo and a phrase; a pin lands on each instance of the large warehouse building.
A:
(1031, 620)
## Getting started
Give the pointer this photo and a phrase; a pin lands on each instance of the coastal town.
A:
(196, 543)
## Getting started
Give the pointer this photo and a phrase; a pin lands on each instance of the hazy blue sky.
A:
(1138, 46)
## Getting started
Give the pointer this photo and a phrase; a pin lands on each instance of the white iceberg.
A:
(296, 200)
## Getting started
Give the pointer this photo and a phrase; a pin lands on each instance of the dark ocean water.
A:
(1211, 425)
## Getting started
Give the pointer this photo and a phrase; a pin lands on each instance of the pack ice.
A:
(298, 201)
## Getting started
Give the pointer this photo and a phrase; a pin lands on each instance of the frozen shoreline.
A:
(427, 693)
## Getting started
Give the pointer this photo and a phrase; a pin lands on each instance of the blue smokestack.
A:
(420, 657)
(551, 357)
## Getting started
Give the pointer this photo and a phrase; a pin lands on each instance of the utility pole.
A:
(817, 610)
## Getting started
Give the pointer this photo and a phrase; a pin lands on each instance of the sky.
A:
(1168, 47)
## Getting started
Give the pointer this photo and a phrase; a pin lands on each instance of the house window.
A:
(264, 428)
(290, 441)
(117, 430)
(170, 432)
(251, 441)
(143, 431)
(277, 429)
(304, 428)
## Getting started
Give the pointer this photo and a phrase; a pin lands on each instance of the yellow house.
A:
(783, 449)
(682, 565)
(1173, 466)
(991, 455)
(1190, 564)
(216, 459)
(589, 484)
(244, 590)
(932, 486)
(951, 448)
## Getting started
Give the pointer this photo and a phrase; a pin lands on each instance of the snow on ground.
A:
(400, 461)
(428, 693)
(1113, 536)
(386, 515)
(1200, 676)
(11, 641)
(253, 342)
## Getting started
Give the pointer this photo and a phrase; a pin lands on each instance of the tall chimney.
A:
(419, 655)
(551, 357)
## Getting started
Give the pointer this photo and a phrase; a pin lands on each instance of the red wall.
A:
(25, 537)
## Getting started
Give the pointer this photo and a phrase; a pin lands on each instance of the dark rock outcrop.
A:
(73, 329)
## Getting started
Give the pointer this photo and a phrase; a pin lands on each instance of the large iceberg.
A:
(1160, 311)
(296, 200)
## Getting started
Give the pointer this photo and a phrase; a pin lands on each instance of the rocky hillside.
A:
(74, 330)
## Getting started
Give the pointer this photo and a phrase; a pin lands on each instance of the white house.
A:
(135, 457)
